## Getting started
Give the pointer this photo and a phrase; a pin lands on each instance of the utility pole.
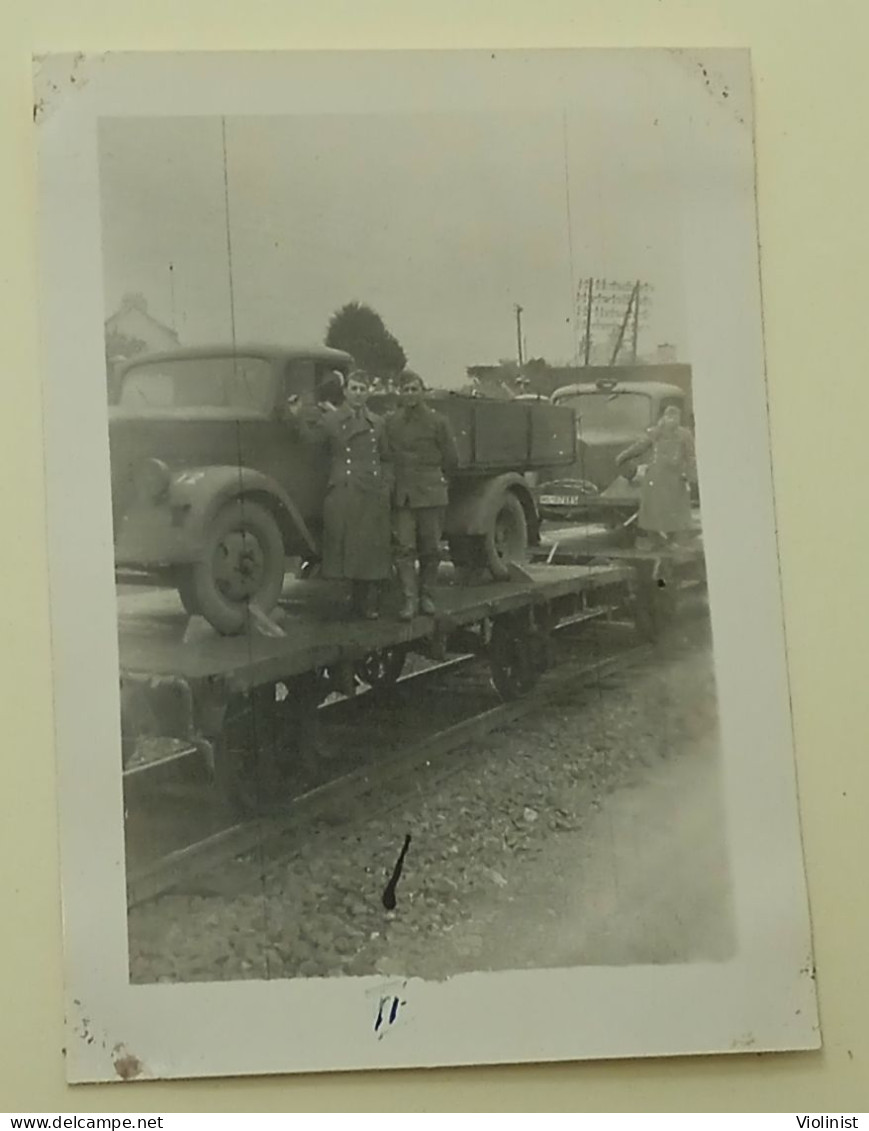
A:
(636, 329)
(635, 298)
(588, 321)
(518, 309)
(172, 293)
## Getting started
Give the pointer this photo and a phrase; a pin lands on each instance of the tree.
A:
(360, 331)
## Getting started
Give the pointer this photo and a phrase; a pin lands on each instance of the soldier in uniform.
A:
(423, 452)
(356, 512)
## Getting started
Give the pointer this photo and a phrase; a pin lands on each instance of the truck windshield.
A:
(232, 383)
(618, 412)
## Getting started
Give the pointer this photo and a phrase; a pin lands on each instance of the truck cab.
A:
(609, 416)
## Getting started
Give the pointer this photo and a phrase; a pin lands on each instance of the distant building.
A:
(131, 326)
(665, 354)
(132, 330)
(603, 349)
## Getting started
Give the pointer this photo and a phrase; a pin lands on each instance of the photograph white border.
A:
(764, 998)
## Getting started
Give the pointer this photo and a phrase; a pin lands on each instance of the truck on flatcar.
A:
(610, 415)
(212, 489)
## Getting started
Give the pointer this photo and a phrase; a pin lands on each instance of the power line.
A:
(228, 232)
(569, 232)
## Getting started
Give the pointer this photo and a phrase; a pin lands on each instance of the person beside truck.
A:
(665, 494)
(408, 454)
(423, 452)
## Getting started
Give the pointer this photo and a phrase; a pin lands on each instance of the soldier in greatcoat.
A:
(665, 495)
(423, 451)
(356, 512)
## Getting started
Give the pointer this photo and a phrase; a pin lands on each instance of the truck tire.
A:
(242, 564)
(506, 540)
(187, 591)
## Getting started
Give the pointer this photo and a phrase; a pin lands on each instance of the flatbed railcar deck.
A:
(660, 573)
(157, 638)
(222, 695)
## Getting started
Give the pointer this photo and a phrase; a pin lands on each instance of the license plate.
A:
(560, 500)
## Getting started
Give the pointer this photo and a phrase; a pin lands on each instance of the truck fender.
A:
(202, 491)
(473, 504)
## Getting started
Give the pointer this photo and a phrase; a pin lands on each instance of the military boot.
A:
(407, 580)
(428, 573)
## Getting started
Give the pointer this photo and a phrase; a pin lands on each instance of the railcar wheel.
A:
(242, 564)
(540, 646)
(244, 768)
(381, 670)
(268, 735)
(339, 679)
(511, 660)
(506, 540)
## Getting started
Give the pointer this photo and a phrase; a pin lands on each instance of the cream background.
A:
(809, 69)
(763, 998)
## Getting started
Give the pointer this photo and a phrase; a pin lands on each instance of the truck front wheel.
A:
(242, 564)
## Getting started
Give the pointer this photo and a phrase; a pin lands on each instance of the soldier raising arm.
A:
(356, 511)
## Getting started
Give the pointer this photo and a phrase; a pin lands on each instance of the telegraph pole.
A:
(599, 304)
(636, 328)
(518, 310)
(172, 293)
(635, 298)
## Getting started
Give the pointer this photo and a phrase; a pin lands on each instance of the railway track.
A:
(399, 751)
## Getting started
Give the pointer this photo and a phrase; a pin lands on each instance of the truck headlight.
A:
(152, 480)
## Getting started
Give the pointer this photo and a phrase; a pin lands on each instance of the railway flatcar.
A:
(242, 702)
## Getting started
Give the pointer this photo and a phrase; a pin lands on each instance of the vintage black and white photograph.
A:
(420, 683)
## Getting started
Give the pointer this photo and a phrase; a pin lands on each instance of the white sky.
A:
(440, 221)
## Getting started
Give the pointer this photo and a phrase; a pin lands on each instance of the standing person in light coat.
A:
(423, 452)
(665, 496)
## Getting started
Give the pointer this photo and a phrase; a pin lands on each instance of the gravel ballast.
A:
(481, 833)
